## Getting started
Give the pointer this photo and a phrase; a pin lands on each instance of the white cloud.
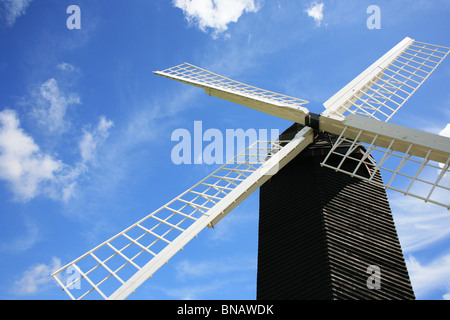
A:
(419, 224)
(64, 66)
(22, 163)
(31, 172)
(25, 167)
(91, 139)
(194, 292)
(14, 9)
(215, 14)
(432, 276)
(36, 278)
(52, 106)
(188, 269)
(204, 277)
(315, 11)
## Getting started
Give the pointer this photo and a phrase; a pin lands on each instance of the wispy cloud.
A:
(419, 224)
(14, 9)
(215, 14)
(52, 104)
(188, 269)
(206, 277)
(31, 172)
(434, 275)
(64, 66)
(193, 292)
(91, 139)
(36, 278)
(224, 230)
(315, 11)
(27, 238)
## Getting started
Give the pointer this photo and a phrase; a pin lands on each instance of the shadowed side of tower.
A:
(320, 231)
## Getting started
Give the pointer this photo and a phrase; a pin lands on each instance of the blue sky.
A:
(85, 127)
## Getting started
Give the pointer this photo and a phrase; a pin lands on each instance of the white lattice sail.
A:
(413, 162)
(115, 268)
(383, 88)
(273, 103)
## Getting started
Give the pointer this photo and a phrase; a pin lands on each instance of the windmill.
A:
(354, 155)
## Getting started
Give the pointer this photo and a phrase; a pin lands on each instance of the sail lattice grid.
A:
(385, 87)
(194, 75)
(116, 267)
(415, 171)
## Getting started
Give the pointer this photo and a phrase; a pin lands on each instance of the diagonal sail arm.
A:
(412, 162)
(383, 88)
(276, 104)
(117, 267)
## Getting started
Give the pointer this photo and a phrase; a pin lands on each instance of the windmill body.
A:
(326, 229)
(320, 231)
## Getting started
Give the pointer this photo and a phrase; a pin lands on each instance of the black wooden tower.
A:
(326, 235)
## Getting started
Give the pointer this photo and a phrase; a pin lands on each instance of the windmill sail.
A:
(115, 268)
(411, 161)
(276, 104)
(382, 89)
(378, 92)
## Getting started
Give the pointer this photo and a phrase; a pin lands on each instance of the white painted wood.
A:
(210, 208)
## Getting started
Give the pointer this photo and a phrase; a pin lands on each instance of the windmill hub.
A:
(312, 120)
